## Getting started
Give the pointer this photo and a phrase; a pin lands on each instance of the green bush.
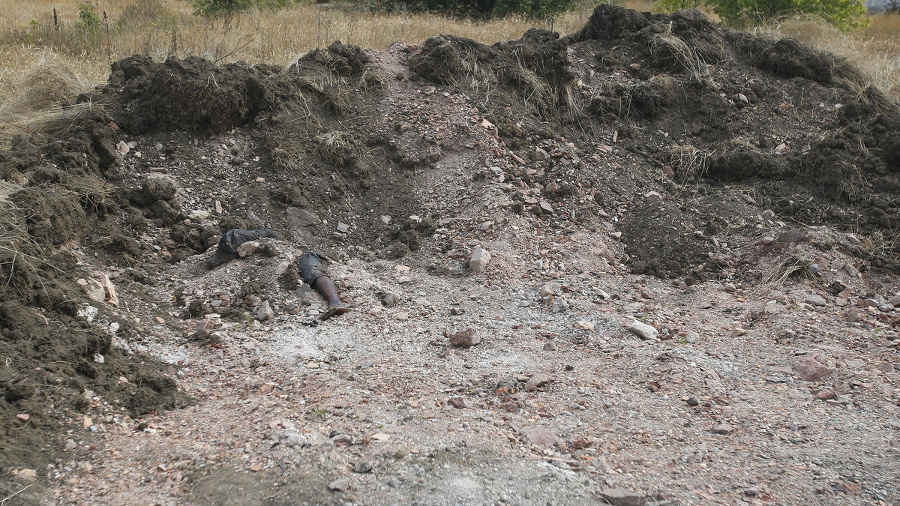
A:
(675, 5)
(845, 14)
(482, 8)
(88, 20)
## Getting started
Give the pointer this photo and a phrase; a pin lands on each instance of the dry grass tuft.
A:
(671, 51)
(689, 163)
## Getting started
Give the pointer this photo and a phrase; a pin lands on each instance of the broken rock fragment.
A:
(539, 436)
(339, 485)
(536, 381)
(465, 338)
(809, 369)
(265, 312)
(642, 330)
(479, 259)
(621, 497)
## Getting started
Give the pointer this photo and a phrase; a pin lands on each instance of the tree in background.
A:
(538, 9)
(675, 5)
(845, 14)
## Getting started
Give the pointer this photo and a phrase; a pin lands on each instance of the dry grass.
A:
(167, 27)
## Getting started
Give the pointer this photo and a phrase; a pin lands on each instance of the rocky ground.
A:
(648, 263)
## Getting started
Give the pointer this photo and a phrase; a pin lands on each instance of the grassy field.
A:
(51, 50)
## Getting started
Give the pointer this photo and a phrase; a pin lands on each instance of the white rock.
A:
(549, 289)
(109, 291)
(94, 290)
(265, 312)
(479, 259)
(247, 248)
(88, 312)
(643, 330)
(584, 325)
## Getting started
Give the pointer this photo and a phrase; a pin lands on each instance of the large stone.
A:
(808, 369)
(622, 497)
(301, 217)
(642, 330)
(363, 467)
(815, 300)
(479, 259)
(584, 325)
(723, 428)
(265, 312)
(465, 338)
(536, 381)
(94, 290)
(539, 436)
(247, 248)
(339, 485)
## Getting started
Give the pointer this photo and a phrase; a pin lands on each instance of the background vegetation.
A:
(844, 14)
(50, 50)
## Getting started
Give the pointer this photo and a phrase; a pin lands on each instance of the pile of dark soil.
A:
(532, 71)
(65, 194)
(593, 122)
(192, 94)
(797, 128)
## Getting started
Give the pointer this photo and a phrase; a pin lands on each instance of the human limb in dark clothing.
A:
(313, 273)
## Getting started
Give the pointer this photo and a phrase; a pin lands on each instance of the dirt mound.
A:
(191, 94)
(790, 58)
(610, 22)
(532, 71)
(57, 342)
(740, 121)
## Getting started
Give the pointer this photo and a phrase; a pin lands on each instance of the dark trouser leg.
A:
(313, 273)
